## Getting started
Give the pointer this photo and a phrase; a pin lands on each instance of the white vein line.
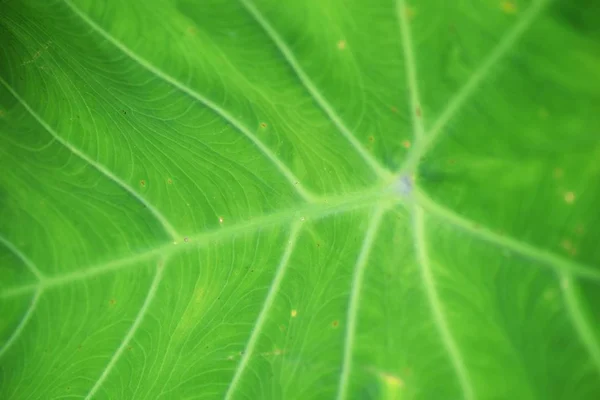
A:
(99, 167)
(332, 206)
(283, 169)
(543, 257)
(262, 317)
(382, 172)
(455, 104)
(28, 263)
(352, 311)
(436, 305)
(411, 70)
(580, 322)
(17, 332)
(134, 326)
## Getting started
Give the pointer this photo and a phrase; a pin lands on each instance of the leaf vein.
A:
(21, 326)
(28, 263)
(543, 257)
(411, 70)
(262, 316)
(578, 318)
(132, 330)
(287, 54)
(465, 92)
(436, 306)
(332, 206)
(170, 230)
(355, 291)
(283, 169)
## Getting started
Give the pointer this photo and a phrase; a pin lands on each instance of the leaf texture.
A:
(262, 199)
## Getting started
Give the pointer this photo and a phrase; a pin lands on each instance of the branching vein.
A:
(577, 315)
(134, 326)
(314, 92)
(99, 167)
(28, 263)
(411, 70)
(17, 332)
(331, 206)
(542, 257)
(355, 291)
(455, 104)
(280, 166)
(436, 305)
(262, 317)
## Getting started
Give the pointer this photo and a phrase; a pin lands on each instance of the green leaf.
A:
(263, 199)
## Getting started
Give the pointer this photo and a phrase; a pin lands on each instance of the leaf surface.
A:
(263, 199)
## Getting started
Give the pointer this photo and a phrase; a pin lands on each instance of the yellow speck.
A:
(220, 220)
(302, 218)
(294, 313)
(392, 380)
(341, 44)
(1, 113)
(508, 7)
(569, 197)
(406, 144)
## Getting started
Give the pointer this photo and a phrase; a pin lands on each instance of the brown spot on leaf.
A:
(418, 111)
(112, 302)
(263, 125)
(394, 109)
(406, 144)
(335, 323)
(170, 181)
(371, 139)
(143, 183)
